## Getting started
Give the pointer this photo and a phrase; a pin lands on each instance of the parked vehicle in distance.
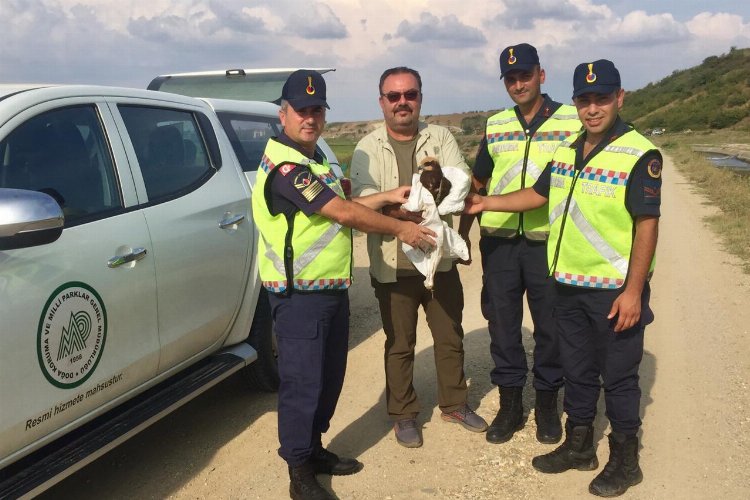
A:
(129, 277)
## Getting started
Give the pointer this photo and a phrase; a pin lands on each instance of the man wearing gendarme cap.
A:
(517, 145)
(305, 263)
(603, 187)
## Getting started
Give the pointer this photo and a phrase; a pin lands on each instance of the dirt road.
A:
(695, 406)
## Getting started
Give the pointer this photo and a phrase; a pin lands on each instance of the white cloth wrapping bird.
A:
(449, 244)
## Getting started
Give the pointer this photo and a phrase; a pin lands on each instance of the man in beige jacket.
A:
(383, 160)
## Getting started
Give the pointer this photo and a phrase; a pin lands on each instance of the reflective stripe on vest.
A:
(307, 256)
(320, 254)
(591, 230)
(518, 162)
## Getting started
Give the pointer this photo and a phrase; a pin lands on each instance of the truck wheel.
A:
(263, 373)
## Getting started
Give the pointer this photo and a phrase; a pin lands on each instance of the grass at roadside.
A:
(729, 191)
(344, 149)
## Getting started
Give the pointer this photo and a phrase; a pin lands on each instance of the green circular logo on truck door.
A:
(71, 334)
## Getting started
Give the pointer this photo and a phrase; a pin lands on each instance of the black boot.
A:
(304, 486)
(548, 427)
(576, 452)
(622, 470)
(325, 462)
(509, 418)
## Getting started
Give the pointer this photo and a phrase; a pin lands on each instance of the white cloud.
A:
(316, 20)
(524, 14)
(453, 44)
(639, 28)
(719, 26)
(444, 32)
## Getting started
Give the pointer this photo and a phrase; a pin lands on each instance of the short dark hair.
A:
(399, 70)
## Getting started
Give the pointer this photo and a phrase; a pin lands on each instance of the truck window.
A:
(248, 135)
(63, 153)
(170, 150)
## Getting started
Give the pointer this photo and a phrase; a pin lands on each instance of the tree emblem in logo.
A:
(71, 334)
(73, 338)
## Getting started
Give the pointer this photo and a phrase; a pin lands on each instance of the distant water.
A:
(728, 161)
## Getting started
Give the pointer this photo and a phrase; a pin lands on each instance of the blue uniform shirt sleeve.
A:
(287, 192)
(643, 196)
(483, 164)
(541, 186)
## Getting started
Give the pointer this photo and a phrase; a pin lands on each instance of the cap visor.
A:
(518, 67)
(306, 103)
(596, 89)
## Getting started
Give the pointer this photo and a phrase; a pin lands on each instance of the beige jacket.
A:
(374, 169)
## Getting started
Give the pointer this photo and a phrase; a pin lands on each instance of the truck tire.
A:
(263, 373)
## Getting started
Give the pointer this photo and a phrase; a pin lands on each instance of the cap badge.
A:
(511, 58)
(310, 89)
(591, 77)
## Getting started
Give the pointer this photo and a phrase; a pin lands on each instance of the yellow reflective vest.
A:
(519, 160)
(591, 230)
(302, 253)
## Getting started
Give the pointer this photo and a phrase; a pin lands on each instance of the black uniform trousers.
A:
(594, 356)
(512, 267)
(312, 331)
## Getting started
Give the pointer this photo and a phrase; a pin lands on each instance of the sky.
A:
(454, 44)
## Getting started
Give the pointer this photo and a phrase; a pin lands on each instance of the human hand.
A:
(416, 236)
(474, 204)
(627, 308)
(395, 211)
(399, 196)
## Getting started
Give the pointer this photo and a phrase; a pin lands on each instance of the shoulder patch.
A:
(651, 192)
(307, 185)
(285, 169)
(654, 168)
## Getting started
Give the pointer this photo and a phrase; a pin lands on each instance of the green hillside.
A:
(712, 95)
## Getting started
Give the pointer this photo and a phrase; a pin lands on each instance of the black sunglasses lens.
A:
(410, 95)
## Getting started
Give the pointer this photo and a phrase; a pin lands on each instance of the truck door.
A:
(78, 321)
(196, 210)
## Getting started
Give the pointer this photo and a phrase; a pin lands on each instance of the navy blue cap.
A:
(305, 88)
(518, 57)
(599, 77)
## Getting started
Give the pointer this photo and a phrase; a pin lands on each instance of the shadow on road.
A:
(184, 442)
(374, 425)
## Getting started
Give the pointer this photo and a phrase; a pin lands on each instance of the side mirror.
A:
(28, 218)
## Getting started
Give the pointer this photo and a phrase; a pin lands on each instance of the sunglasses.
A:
(394, 97)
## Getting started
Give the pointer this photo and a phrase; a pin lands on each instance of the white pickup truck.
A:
(128, 274)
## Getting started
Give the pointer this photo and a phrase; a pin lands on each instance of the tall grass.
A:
(344, 149)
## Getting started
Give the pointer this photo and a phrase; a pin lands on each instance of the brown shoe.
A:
(467, 418)
(407, 433)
